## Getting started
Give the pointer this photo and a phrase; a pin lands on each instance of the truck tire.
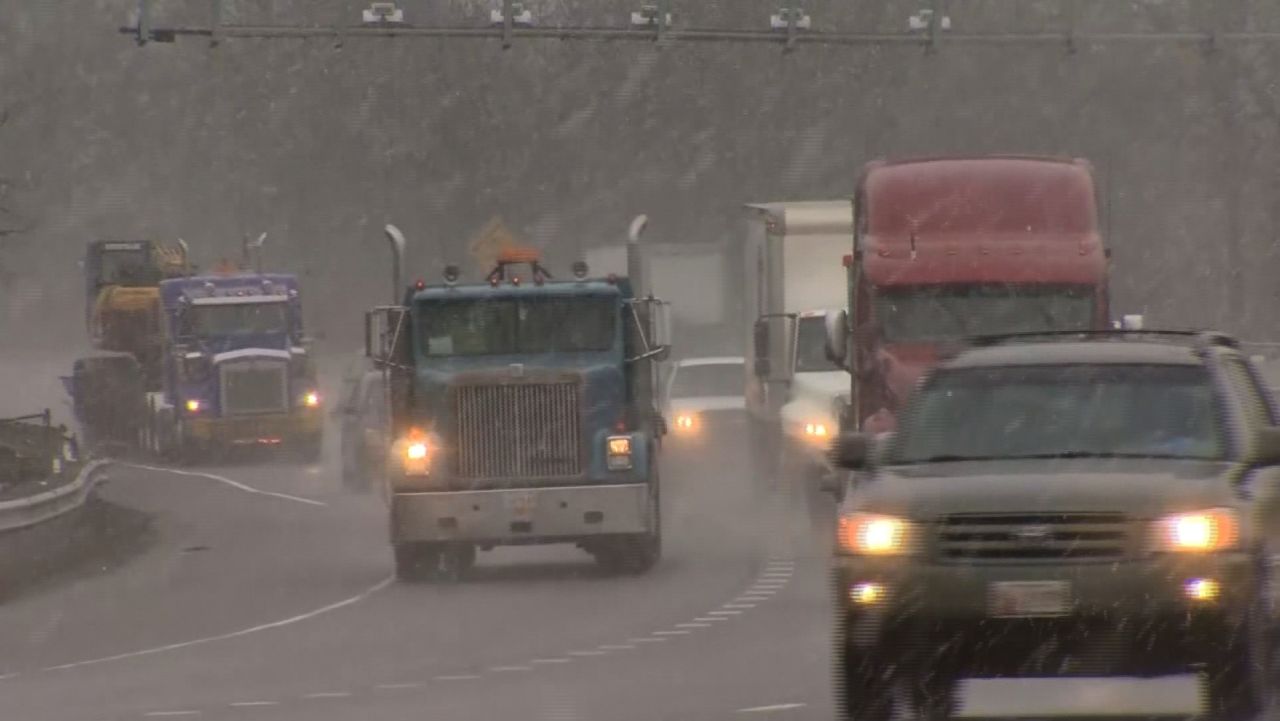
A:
(447, 562)
(631, 555)
(309, 450)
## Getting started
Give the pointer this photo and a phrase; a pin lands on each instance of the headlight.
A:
(1215, 529)
(816, 430)
(311, 399)
(619, 453)
(686, 422)
(415, 453)
(194, 405)
(871, 534)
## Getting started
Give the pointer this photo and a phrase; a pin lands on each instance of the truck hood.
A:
(218, 345)
(1139, 488)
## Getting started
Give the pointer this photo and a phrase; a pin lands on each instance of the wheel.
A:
(1240, 675)
(417, 562)
(864, 689)
(632, 556)
(309, 450)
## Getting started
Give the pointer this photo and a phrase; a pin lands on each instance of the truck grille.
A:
(250, 387)
(1032, 537)
(519, 431)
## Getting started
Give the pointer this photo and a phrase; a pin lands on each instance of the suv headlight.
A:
(1214, 529)
(871, 534)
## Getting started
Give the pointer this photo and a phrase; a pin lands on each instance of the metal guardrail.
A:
(44, 460)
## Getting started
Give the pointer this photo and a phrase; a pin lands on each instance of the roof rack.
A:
(1201, 339)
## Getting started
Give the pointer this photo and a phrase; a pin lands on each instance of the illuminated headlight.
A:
(415, 454)
(818, 432)
(1215, 529)
(311, 399)
(194, 405)
(870, 534)
(686, 422)
(618, 457)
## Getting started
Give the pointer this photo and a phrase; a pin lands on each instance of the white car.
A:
(703, 398)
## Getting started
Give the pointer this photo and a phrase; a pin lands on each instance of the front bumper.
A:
(262, 429)
(522, 516)
(1133, 615)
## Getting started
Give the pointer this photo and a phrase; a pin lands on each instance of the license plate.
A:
(1029, 599)
(520, 503)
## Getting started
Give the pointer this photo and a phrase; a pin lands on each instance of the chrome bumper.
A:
(526, 515)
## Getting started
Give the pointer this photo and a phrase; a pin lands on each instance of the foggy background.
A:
(320, 144)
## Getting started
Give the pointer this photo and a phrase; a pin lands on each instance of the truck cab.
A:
(523, 412)
(237, 366)
(948, 248)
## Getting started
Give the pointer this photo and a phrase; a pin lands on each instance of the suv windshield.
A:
(948, 312)
(711, 379)
(1062, 411)
(527, 325)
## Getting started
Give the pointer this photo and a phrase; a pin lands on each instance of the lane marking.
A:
(390, 686)
(227, 481)
(738, 605)
(648, 639)
(509, 669)
(682, 632)
(550, 660)
(9, 676)
(774, 707)
(234, 634)
(616, 647)
(247, 704)
(587, 653)
(459, 677)
(329, 694)
(693, 625)
(704, 619)
(723, 613)
(157, 714)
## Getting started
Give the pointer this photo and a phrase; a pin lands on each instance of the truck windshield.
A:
(811, 354)
(708, 379)
(485, 326)
(936, 313)
(1062, 411)
(127, 267)
(235, 319)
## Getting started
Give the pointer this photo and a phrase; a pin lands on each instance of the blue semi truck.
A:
(523, 411)
(237, 369)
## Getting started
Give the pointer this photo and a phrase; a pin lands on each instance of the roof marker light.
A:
(580, 269)
(419, 284)
(451, 274)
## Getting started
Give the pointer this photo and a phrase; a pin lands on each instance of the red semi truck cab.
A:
(947, 248)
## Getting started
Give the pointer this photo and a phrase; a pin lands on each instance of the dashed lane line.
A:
(541, 661)
(229, 482)
(457, 677)
(164, 714)
(679, 632)
(704, 619)
(588, 653)
(616, 647)
(328, 694)
(394, 686)
(647, 639)
(234, 634)
(252, 704)
(693, 625)
(771, 708)
(724, 613)
(509, 669)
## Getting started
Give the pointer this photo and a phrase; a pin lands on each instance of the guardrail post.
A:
(508, 22)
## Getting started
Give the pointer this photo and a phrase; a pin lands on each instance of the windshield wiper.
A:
(947, 458)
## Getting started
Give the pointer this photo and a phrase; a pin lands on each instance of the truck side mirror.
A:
(853, 451)
(837, 341)
(775, 340)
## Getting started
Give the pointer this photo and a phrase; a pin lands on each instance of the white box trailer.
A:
(794, 274)
(694, 279)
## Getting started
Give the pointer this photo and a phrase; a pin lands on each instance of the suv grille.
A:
(1031, 537)
(257, 386)
(528, 431)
